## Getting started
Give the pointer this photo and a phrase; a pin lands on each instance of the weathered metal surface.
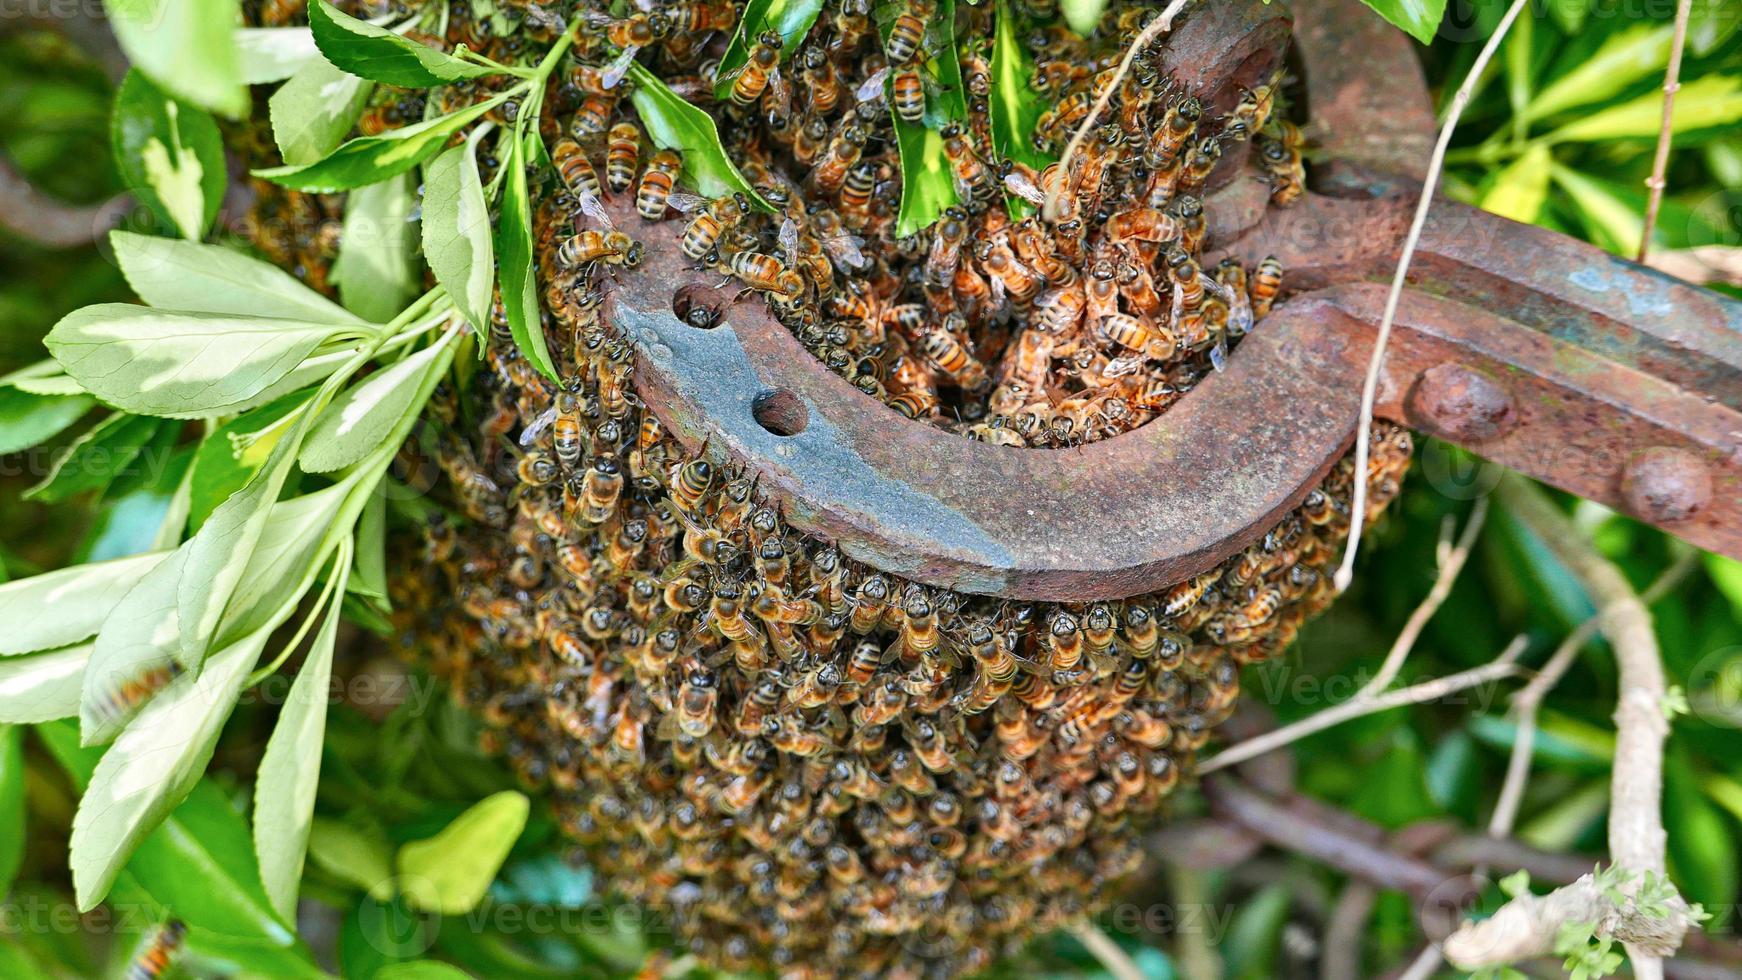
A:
(1543, 354)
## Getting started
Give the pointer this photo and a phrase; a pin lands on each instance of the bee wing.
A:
(594, 208)
(1120, 366)
(1219, 354)
(789, 240)
(872, 87)
(780, 92)
(530, 434)
(846, 249)
(1018, 183)
(619, 67)
(596, 18)
(686, 202)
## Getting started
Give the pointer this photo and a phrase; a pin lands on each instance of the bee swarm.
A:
(816, 767)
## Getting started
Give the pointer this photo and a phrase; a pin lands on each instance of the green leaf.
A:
(152, 767)
(294, 536)
(1419, 19)
(170, 154)
(351, 855)
(1521, 188)
(450, 872)
(11, 804)
(179, 364)
(380, 55)
(197, 862)
(791, 19)
(1726, 574)
(1395, 790)
(273, 54)
(27, 419)
(369, 159)
(674, 124)
(457, 234)
(1702, 850)
(312, 112)
(1625, 58)
(185, 46)
(519, 267)
(43, 686)
(378, 934)
(360, 421)
(1704, 103)
(369, 568)
(377, 271)
(107, 451)
(175, 275)
(232, 453)
(60, 608)
(139, 639)
(1015, 107)
(928, 184)
(1613, 223)
(290, 770)
(1082, 15)
(1710, 24)
(421, 970)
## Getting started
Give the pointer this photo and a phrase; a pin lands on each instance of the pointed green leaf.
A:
(379, 54)
(177, 275)
(28, 419)
(1704, 103)
(352, 855)
(1520, 190)
(170, 154)
(152, 767)
(1625, 58)
(11, 807)
(185, 46)
(674, 124)
(519, 267)
(928, 183)
(1015, 107)
(1419, 19)
(791, 19)
(457, 234)
(180, 365)
(1082, 15)
(450, 872)
(139, 640)
(107, 451)
(314, 109)
(273, 54)
(43, 686)
(377, 270)
(60, 608)
(368, 159)
(290, 770)
(360, 421)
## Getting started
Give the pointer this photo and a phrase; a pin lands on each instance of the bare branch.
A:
(1660, 161)
(1370, 388)
(1527, 927)
(1451, 562)
(1364, 704)
(1113, 959)
(35, 217)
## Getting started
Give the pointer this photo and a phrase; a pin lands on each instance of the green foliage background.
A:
(1550, 139)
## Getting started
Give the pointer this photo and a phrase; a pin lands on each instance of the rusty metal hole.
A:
(698, 305)
(781, 412)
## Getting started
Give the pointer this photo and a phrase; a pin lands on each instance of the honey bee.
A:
(907, 34)
(841, 154)
(761, 69)
(1280, 157)
(1266, 284)
(942, 348)
(1252, 113)
(575, 169)
(856, 191)
(822, 81)
(592, 116)
(601, 486)
(970, 174)
(611, 247)
(768, 274)
(907, 92)
(708, 225)
(1138, 334)
(622, 156)
(695, 17)
(155, 958)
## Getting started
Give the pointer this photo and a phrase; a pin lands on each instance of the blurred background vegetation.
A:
(1561, 134)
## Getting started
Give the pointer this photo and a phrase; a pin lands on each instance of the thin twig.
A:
(1451, 562)
(1163, 22)
(1361, 704)
(1370, 388)
(1341, 959)
(1660, 162)
(36, 217)
(1530, 697)
(1107, 952)
(1636, 835)
(1196, 957)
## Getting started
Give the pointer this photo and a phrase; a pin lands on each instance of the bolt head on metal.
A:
(1664, 484)
(1461, 403)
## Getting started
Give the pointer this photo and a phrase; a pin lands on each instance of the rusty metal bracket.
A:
(1551, 357)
